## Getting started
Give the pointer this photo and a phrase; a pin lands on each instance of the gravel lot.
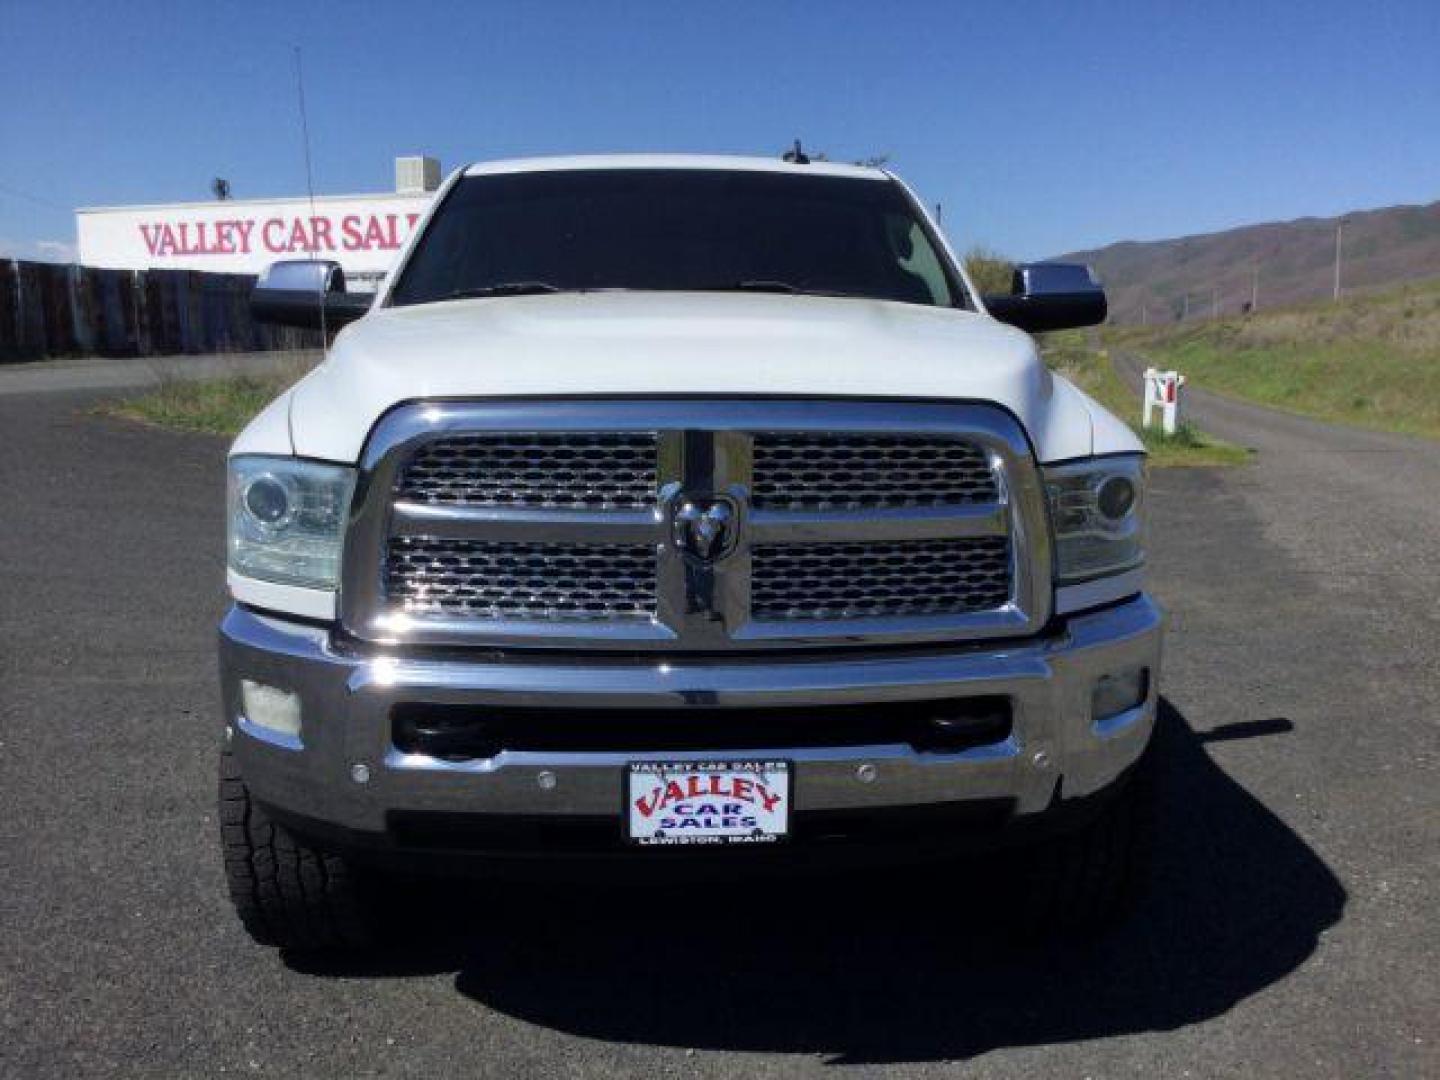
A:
(1289, 929)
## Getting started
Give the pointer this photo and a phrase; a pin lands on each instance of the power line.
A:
(18, 194)
(310, 189)
(304, 128)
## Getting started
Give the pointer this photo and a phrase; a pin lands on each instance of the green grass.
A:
(211, 406)
(1372, 360)
(1071, 354)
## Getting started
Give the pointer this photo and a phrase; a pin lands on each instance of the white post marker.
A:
(1162, 394)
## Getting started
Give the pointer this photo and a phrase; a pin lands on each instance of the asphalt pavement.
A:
(125, 373)
(1289, 926)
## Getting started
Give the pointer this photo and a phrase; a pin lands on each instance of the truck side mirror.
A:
(1051, 296)
(295, 292)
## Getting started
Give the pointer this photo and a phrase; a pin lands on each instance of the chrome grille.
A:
(487, 580)
(855, 471)
(559, 523)
(850, 581)
(565, 469)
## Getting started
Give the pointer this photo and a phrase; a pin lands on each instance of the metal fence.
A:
(49, 310)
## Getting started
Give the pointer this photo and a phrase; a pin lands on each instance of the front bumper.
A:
(344, 775)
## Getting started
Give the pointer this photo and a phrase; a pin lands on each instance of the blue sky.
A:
(1040, 127)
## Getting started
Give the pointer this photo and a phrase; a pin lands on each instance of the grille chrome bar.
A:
(708, 448)
(528, 526)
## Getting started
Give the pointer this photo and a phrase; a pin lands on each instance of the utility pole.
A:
(1144, 315)
(1339, 236)
(1254, 287)
(1214, 303)
(1186, 314)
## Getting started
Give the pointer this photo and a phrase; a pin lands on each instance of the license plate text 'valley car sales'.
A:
(697, 802)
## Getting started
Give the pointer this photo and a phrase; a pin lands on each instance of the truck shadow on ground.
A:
(888, 966)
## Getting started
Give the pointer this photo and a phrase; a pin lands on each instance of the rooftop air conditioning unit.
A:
(416, 174)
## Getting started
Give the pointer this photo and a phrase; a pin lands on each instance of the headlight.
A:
(287, 519)
(1097, 514)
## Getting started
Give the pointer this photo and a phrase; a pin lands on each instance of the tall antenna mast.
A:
(310, 190)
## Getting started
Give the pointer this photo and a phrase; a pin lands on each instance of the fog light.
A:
(270, 708)
(1118, 692)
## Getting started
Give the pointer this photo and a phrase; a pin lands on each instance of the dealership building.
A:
(243, 236)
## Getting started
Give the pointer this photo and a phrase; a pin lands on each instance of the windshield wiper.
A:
(506, 288)
(767, 285)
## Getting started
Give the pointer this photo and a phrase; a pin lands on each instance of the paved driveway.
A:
(1290, 928)
(60, 376)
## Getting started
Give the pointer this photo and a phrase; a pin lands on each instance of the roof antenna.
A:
(795, 155)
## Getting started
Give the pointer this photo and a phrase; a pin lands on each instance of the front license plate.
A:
(676, 803)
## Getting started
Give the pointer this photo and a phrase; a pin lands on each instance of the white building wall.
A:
(362, 232)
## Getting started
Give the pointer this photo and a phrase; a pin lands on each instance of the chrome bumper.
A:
(343, 770)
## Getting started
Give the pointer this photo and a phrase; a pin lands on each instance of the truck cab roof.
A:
(722, 162)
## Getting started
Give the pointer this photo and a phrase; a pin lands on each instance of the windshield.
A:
(680, 229)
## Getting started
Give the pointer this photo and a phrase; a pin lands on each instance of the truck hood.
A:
(636, 344)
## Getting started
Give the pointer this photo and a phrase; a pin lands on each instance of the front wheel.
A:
(287, 893)
(1085, 881)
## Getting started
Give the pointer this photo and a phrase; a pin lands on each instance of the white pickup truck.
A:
(678, 511)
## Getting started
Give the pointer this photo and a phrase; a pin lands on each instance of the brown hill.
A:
(1290, 261)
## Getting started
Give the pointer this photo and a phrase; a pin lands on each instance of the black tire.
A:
(1085, 881)
(287, 893)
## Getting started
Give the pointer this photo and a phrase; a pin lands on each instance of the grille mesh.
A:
(473, 579)
(582, 470)
(857, 471)
(848, 581)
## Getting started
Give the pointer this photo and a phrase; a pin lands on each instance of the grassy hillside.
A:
(1371, 360)
(1294, 260)
(1073, 355)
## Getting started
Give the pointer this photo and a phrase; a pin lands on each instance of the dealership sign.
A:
(363, 233)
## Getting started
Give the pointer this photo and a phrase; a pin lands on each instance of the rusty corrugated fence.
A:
(49, 310)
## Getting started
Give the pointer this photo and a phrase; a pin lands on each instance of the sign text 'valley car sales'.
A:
(278, 235)
(364, 233)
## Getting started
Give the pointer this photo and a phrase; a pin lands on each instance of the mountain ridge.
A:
(1276, 262)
